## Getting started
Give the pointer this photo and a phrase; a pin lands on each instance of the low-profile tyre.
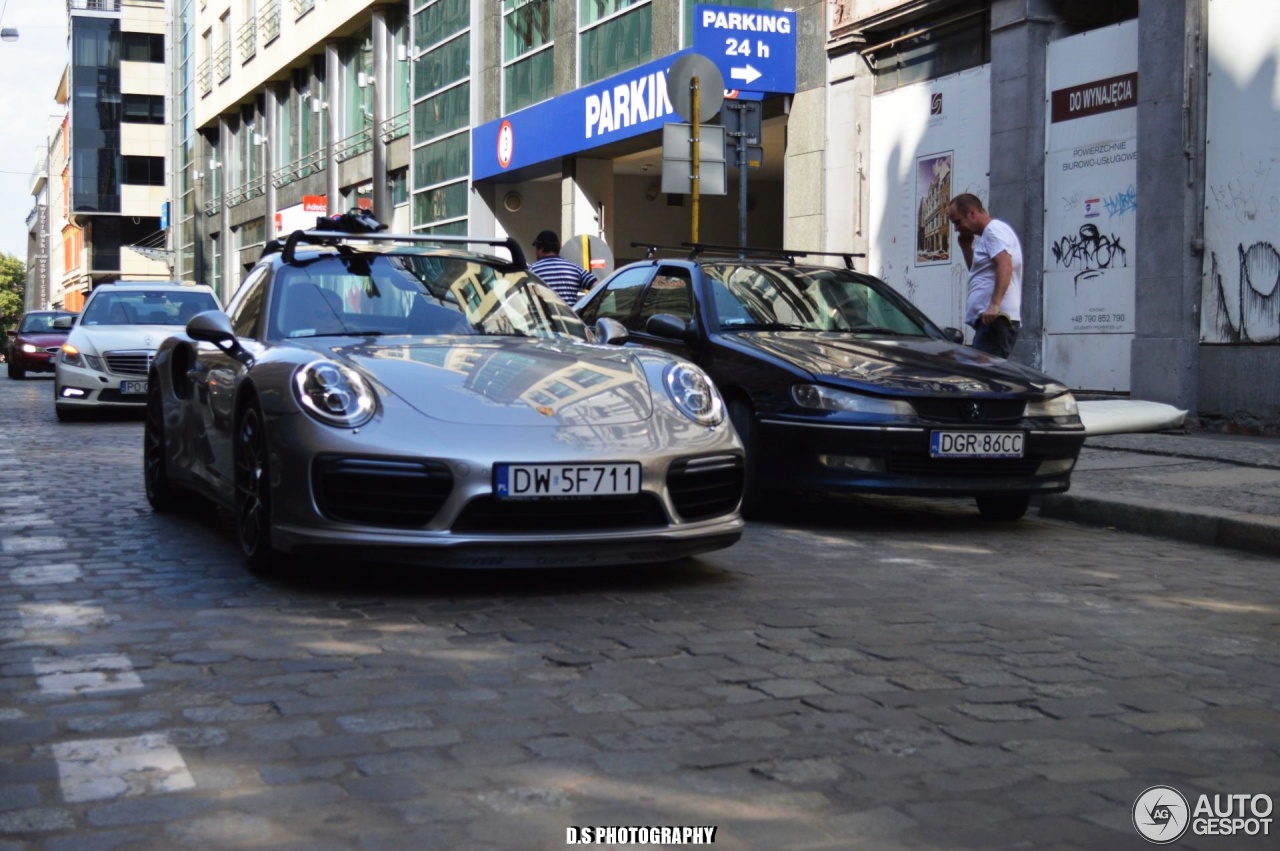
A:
(161, 493)
(16, 372)
(744, 423)
(253, 494)
(1004, 509)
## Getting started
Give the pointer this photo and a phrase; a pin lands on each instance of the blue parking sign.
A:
(755, 49)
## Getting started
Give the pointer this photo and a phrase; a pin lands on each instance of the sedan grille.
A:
(902, 464)
(486, 514)
(376, 492)
(129, 363)
(969, 410)
(705, 487)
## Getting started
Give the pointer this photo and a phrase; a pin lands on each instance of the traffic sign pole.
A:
(697, 149)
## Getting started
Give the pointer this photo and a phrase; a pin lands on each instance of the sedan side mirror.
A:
(214, 326)
(63, 322)
(671, 327)
(12, 332)
(955, 335)
(611, 332)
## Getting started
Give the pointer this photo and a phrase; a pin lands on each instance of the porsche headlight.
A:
(694, 394)
(819, 398)
(1062, 405)
(334, 394)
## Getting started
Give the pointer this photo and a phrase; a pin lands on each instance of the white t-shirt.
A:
(996, 237)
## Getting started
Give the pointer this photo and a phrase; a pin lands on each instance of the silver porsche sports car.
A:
(390, 398)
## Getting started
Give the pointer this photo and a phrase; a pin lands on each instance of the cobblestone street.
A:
(874, 674)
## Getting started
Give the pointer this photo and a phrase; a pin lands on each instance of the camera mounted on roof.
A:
(352, 221)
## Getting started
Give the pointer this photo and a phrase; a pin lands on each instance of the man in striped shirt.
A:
(568, 280)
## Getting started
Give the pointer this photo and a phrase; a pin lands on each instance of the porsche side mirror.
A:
(611, 332)
(671, 327)
(214, 326)
(63, 322)
(955, 335)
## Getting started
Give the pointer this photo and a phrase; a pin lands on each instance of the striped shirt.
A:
(567, 279)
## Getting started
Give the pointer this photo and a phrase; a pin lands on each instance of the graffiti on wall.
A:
(1246, 304)
(1090, 251)
(1122, 202)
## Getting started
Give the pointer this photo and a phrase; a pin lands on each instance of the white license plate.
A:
(976, 444)
(133, 388)
(533, 481)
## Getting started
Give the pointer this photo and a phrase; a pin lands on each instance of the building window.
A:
(614, 35)
(142, 171)
(142, 47)
(142, 109)
(441, 160)
(914, 52)
(528, 73)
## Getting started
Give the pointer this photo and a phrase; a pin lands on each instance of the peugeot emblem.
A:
(972, 411)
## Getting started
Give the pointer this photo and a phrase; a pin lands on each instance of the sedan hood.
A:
(897, 365)
(43, 339)
(510, 381)
(115, 338)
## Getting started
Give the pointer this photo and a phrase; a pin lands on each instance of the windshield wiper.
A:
(764, 326)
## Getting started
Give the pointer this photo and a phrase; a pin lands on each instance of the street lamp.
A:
(9, 34)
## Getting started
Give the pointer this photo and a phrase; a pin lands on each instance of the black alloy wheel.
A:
(1004, 508)
(160, 491)
(253, 492)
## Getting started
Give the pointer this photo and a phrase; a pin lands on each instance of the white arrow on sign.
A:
(748, 75)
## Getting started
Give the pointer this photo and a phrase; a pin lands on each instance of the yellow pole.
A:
(697, 150)
(586, 253)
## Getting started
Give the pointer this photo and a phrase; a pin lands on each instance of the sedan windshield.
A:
(419, 294)
(41, 323)
(146, 307)
(791, 298)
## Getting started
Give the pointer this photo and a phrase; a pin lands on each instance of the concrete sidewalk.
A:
(1216, 489)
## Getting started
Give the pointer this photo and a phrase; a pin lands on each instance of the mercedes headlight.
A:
(819, 398)
(1061, 405)
(334, 394)
(694, 394)
(71, 355)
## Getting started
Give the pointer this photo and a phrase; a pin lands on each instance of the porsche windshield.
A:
(797, 298)
(358, 294)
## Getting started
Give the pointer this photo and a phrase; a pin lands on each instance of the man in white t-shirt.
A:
(994, 257)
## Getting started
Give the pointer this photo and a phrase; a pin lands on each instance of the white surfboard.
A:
(1119, 416)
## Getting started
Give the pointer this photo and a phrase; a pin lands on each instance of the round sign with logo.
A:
(506, 144)
(1161, 815)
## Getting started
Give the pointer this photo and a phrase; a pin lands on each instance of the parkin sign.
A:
(755, 49)
(622, 106)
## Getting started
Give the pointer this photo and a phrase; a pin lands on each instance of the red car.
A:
(35, 342)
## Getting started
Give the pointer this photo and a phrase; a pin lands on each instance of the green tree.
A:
(13, 281)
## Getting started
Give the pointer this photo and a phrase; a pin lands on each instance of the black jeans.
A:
(996, 338)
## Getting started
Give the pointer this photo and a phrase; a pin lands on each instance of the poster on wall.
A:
(922, 136)
(1090, 230)
(1240, 291)
(933, 197)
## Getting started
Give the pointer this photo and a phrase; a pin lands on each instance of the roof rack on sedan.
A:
(787, 254)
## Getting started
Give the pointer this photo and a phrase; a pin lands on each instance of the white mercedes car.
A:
(104, 362)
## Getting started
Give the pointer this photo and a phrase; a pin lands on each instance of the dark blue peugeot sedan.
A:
(836, 383)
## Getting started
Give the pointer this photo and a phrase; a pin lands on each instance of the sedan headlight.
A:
(1063, 405)
(71, 355)
(334, 394)
(693, 393)
(819, 398)
(27, 347)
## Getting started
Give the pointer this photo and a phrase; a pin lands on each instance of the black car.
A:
(835, 382)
